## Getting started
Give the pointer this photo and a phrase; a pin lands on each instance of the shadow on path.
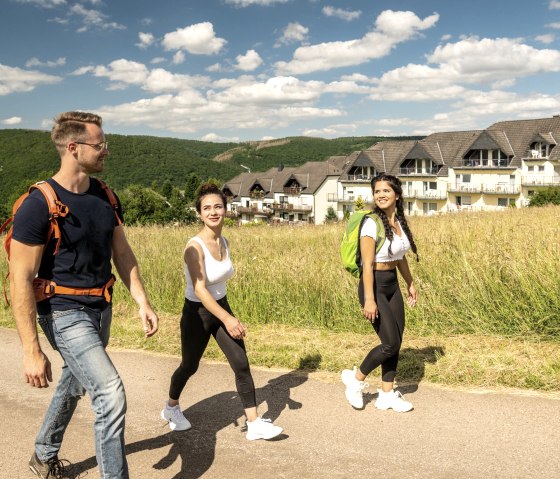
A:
(411, 369)
(196, 448)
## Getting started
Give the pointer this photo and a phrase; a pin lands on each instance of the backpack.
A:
(46, 288)
(350, 245)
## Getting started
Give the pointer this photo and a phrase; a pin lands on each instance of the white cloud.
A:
(123, 72)
(146, 39)
(554, 5)
(346, 15)
(216, 67)
(13, 79)
(93, 19)
(61, 21)
(248, 62)
(555, 25)
(179, 57)
(391, 29)
(44, 3)
(146, 21)
(247, 3)
(547, 38)
(83, 70)
(446, 37)
(219, 139)
(198, 39)
(14, 120)
(294, 32)
(157, 60)
(35, 62)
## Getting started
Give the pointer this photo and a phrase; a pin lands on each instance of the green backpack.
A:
(350, 245)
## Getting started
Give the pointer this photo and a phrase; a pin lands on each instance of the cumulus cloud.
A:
(198, 39)
(554, 25)
(219, 139)
(178, 58)
(346, 15)
(554, 5)
(391, 28)
(157, 60)
(294, 32)
(248, 3)
(146, 39)
(547, 38)
(14, 120)
(35, 62)
(248, 62)
(13, 79)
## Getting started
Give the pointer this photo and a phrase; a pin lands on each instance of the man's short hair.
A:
(71, 125)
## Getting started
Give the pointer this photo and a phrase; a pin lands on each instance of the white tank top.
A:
(217, 273)
(399, 246)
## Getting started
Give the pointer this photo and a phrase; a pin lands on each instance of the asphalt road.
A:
(450, 434)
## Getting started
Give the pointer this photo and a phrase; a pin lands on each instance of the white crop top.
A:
(217, 273)
(399, 246)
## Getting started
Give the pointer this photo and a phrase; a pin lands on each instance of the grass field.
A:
(488, 312)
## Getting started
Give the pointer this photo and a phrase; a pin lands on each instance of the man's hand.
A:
(149, 320)
(37, 370)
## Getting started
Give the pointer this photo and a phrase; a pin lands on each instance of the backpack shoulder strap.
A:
(57, 209)
(380, 234)
(111, 197)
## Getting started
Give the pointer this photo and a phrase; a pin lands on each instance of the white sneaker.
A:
(354, 388)
(173, 415)
(392, 400)
(262, 429)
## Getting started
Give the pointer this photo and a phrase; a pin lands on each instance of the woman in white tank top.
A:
(207, 313)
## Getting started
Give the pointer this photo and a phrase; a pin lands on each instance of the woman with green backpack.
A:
(379, 292)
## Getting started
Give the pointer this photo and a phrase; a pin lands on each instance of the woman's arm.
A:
(194, 259)
(367, 251)
(412, 295)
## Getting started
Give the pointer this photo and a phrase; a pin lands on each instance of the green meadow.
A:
(488, 313)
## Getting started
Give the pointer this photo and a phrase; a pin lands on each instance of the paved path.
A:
(450, 434)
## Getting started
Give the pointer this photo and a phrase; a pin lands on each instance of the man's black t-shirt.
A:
(84, 256)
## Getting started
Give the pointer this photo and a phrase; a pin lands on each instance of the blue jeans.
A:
(80, 336)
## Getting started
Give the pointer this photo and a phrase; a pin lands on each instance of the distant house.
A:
(489, 169)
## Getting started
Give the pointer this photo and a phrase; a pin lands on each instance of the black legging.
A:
(389, 324)
(197, 324)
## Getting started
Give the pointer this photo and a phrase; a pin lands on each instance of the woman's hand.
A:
(370, 310)
(234, 327)
(412, 295)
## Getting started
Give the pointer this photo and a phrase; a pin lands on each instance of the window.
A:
(430, 185)
(283, 199)
(503, 202)
(429, 208)
(530, 192)
(409, 207)
(541, 169)
(466, 178)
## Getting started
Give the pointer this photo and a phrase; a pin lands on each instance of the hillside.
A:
(28, 155)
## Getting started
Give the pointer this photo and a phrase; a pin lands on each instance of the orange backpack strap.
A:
(112, 198)
(56, 210)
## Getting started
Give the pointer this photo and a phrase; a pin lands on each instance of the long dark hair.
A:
(396, 186)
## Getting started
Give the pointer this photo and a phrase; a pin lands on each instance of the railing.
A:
(486, 163)
(473, 208)
(291, 207)
(413, 171)
(359, 178)
(334, 198)
(464, 188)
(431, 195)
(501, 189)
(409, 193)
(534, 155)
(536, 180)
(256, 195)
(254, 210)
(293, 190)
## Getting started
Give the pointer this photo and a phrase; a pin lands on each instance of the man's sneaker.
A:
(354, 388)
(173, 415)
(52, 469)
(392, 400)
(262, 429)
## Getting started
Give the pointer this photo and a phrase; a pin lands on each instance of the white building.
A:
(489, 169)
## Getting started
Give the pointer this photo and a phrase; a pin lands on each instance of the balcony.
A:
(256, 195)
(500, 189)
(291, 207)
(409, 193)
(486, 164)
(536, 180)
(431, 195)
(464, 188)
(359, 178)
(334, 198)
(413, 171)
(254, 210)
(292, 190)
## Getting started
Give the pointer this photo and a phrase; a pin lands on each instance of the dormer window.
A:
(257, 192)
(418, 166)
(540, 149)
(486, 158)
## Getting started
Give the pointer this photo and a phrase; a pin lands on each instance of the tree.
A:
(331, 215)
(191, 187)
(359, 203)
(548, 196)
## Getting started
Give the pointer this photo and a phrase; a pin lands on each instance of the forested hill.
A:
(29, 155)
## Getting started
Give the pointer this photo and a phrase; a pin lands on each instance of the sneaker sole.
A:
(172, 425)
(386, 408)
(34, 471)
(358, 408)
(254, 437)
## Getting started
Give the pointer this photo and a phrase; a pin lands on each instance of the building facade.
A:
(491, 169)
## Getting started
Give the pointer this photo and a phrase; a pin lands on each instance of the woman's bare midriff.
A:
(388, 266)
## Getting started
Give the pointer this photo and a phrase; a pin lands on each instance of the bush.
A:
(548, 196)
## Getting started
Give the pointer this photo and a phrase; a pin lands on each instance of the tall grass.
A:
(483, 273)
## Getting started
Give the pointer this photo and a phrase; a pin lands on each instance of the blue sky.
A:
(236, 70)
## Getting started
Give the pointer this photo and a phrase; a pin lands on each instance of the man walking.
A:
(76, 319)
